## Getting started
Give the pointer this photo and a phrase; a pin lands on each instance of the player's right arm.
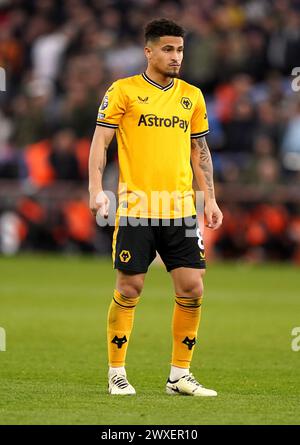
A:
(110, 113)
(97, 162)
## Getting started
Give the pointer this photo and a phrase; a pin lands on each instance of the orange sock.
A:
(119, 326)
(186, 320)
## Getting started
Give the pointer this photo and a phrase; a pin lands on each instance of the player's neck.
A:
(157, 77)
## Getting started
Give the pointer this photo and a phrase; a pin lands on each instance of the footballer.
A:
(160, 123)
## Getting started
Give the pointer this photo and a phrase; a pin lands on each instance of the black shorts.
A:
(136, 241)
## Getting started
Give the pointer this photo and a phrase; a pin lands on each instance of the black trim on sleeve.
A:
(106, 124)
(199, 135)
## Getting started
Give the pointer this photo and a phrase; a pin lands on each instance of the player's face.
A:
(165, 55)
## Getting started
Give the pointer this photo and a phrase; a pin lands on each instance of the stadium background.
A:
(59, 58)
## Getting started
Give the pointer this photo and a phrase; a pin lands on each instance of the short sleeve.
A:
(112, 107)
(199, 122)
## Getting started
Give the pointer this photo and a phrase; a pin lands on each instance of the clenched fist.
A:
(99, 202)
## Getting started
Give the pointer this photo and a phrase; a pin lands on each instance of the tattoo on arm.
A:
(203, 156)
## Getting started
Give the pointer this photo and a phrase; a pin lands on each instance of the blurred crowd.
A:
(60, 56)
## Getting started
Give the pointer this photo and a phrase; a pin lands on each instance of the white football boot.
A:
(119, 385)
(188, 385)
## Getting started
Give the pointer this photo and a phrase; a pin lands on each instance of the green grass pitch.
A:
(54, 369)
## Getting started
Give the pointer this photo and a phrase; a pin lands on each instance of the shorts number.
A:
(200, 240)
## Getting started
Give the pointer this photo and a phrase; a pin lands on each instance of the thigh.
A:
(181, 245)
(133, 245)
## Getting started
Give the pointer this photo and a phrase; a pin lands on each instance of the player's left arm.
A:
(203, 171)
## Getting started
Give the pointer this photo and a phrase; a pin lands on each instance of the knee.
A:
(130, 288)
(193, 289)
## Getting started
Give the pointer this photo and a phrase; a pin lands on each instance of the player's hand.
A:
(214, 216)
(99, 202)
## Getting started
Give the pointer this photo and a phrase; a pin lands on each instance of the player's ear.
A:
(148, 52)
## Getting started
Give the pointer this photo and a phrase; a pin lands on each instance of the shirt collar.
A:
(167, 87)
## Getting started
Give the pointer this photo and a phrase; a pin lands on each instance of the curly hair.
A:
(162, 27)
